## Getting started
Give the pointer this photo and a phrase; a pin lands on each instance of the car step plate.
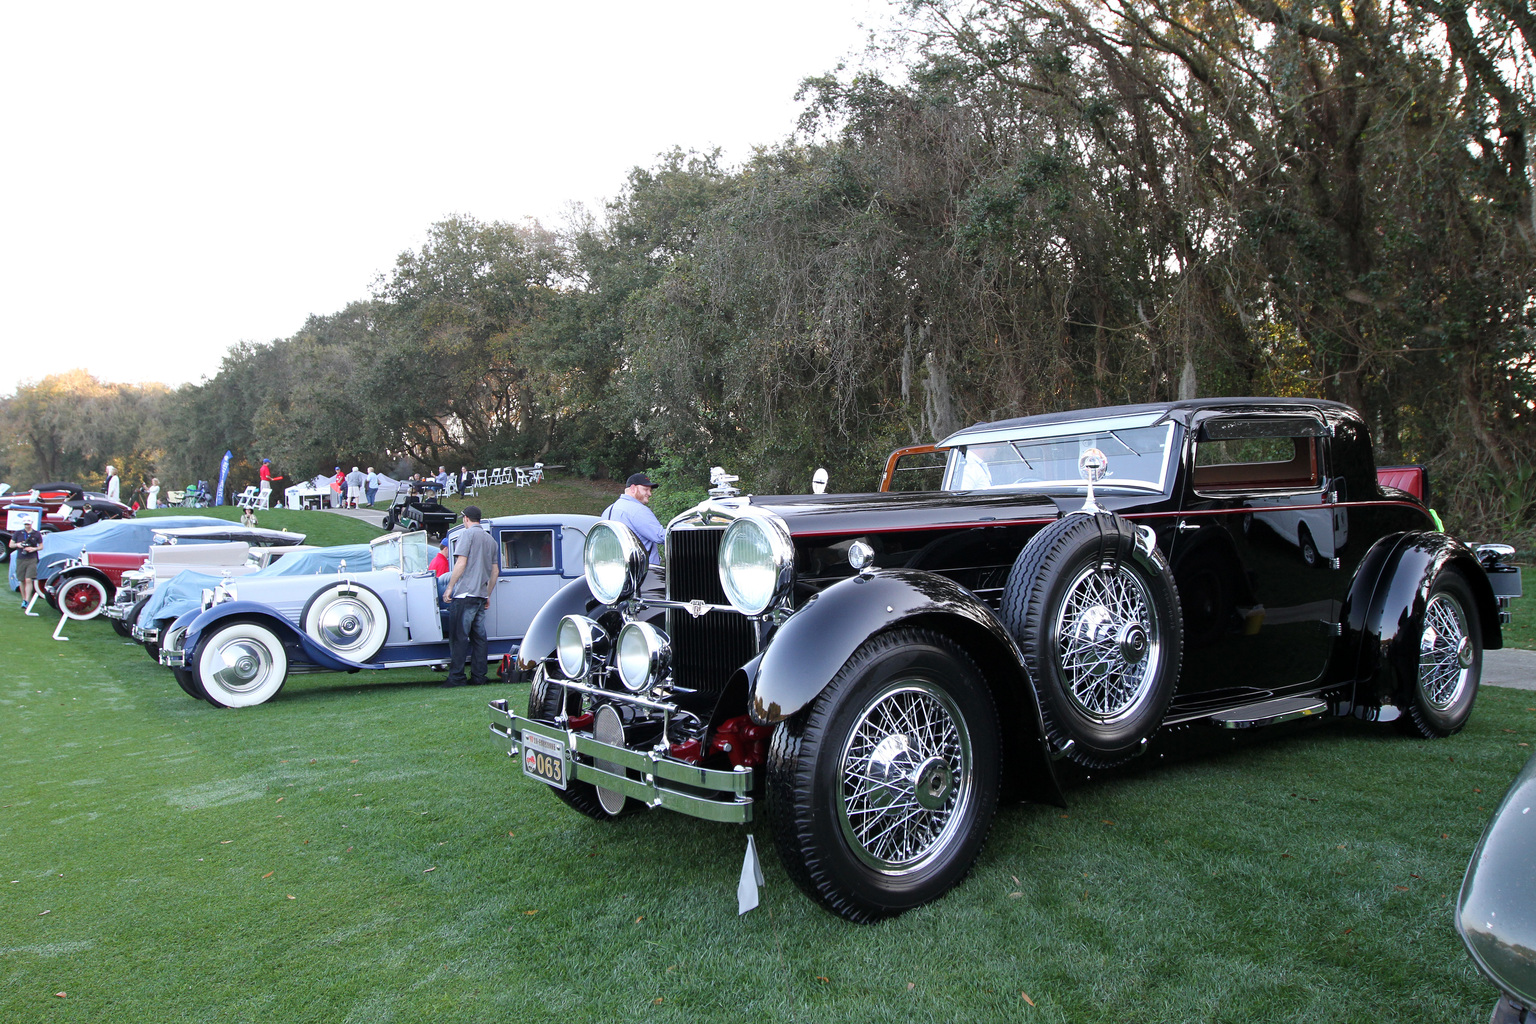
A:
(1269, 712)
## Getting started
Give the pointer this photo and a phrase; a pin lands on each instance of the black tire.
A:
(132, 618)
(121, 627)
(841, 768)
(544, 706)
(1099, 623)
(188, 682)
(1447, 661)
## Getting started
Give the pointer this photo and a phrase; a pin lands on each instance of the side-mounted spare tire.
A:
(347, 619)
(1095, 611)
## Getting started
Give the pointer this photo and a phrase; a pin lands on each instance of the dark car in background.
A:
(872, 673)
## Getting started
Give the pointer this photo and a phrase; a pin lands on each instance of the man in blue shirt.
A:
(632, 509)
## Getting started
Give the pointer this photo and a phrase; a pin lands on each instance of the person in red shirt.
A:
(439, 563)
(266, 483)
(338, 488)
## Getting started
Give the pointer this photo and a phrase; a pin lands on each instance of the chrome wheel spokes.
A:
(1445, 652)
(906, 776)
(1108, 642)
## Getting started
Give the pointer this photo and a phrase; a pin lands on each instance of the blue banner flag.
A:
(223, 474)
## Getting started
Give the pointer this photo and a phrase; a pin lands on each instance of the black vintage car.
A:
(873, 672)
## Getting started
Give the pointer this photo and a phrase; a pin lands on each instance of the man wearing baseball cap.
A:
(633, 510)
(468, 594)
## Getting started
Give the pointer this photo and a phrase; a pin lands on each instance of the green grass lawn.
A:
(356, 850)
(322, 529)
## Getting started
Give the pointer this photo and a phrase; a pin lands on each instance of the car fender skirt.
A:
(286, 631)
(539, 642)
(814, 643)
(1388, 622)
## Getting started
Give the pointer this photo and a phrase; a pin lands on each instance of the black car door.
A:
(1255, 550)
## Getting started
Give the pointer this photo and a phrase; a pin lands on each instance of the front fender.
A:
(56, 582)
(814, 643)
(539, 641)
(1389, 623)
(256, 611)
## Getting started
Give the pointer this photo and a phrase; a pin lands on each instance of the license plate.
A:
(545, 759)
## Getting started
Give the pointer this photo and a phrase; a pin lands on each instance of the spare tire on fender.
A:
(1094, 608)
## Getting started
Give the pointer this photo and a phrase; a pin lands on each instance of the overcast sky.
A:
(178, 178)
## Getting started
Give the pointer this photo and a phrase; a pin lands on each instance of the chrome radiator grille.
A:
(705, 650)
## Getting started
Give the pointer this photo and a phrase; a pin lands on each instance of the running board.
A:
(1269, 712)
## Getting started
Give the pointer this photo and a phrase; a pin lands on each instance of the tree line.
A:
(1036, 205)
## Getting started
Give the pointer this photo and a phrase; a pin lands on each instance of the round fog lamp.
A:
(578, 641)
(645, 653)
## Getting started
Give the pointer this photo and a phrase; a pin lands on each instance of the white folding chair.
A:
(480, 479)
(522, 476)
(496, 477)
(247, 497)
(263, 500)
(536, 474)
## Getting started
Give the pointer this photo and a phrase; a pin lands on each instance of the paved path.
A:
(1510, 667)
(373, 517)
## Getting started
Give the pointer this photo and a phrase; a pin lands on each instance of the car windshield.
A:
(1137, 456)
(404, 551)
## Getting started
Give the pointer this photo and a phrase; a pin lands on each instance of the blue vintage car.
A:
(152, 612)
(237, 649)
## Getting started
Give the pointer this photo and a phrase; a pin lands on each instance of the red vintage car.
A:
(84, 587)
(65, 506)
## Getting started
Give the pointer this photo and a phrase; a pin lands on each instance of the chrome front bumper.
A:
(651, 777)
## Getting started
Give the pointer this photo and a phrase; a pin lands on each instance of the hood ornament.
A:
(1092, 466)
(720, 483)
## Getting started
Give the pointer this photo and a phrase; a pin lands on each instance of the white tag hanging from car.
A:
(751, 878)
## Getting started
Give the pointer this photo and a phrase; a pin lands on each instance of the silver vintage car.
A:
(238, 648)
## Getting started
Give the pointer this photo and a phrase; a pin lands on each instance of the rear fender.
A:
(254, 611)
(814, 643)
(1386, 605)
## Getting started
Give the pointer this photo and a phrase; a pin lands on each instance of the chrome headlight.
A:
(757, 562)
(645, 654)
(579, 642)
(614, 561)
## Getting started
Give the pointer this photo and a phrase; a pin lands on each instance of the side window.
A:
(1245, 455)
(527, 549)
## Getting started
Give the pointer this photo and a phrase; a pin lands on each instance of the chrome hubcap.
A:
(1107, 642)
(345, 625)
(906, 777)
(242, 664)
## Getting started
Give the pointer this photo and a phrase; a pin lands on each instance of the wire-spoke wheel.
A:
(1097, 618)
(1107, 642)
(1450, 660)
(881, 792)
(907, 776)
